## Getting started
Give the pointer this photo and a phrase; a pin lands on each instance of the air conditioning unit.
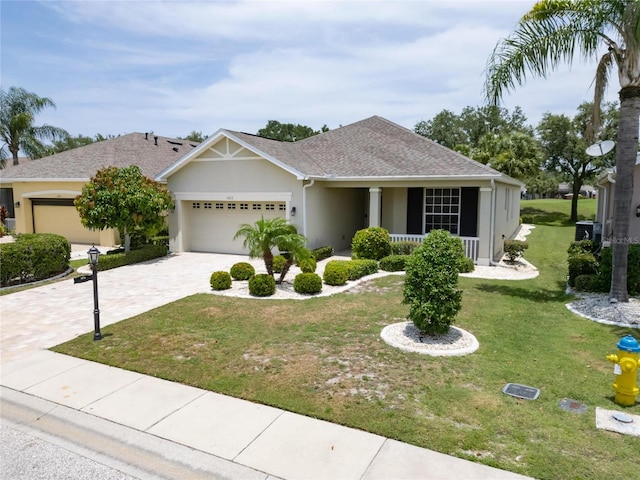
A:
(584, 231)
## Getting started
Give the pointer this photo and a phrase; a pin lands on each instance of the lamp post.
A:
(94, 255)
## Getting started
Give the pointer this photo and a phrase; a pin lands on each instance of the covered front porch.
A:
(471, 244)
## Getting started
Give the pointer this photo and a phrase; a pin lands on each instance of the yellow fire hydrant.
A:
(626, 368)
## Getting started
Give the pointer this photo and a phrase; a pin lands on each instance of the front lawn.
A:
(324, 358)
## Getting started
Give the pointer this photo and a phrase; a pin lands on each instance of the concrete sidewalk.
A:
(152, 428)
(218, 436)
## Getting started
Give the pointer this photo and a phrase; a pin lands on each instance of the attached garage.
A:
(212, 224)
(59, 216)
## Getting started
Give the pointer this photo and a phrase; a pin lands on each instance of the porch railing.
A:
(470, 243)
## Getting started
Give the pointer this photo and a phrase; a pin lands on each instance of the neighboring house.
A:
(40, 192)
(604, 210)
(369, 173)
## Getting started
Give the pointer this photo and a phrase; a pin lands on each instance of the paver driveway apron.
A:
(45, 316)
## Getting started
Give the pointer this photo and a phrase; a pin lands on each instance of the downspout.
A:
(304, 206)
(492, 224)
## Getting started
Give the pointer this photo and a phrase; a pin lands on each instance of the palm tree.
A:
(293, 247)
(18, 109)
(261, 237)
(550, 33)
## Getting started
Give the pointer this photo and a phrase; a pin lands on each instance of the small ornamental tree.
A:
(430, 287)
(125, 199)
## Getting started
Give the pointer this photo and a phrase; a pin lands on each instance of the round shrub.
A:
(262, 285)
(465, 265)
(514, 248)
(431, 283)
(361, 268)
(308, 265)
(309, 283)
(220, 280)
(581, 264)
(278, 263)
(405, 247)
(393, 263)
(373, 243)
(32, 257)
(242, 271)
(335, 273)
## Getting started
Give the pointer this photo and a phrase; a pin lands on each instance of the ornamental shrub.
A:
(308, 265)
(581, 246)
(242, 271)
(308, 283)
(262, 285)
(140, 254)
(587, 283)
(633, 269)
(322, 253)
(431, 283)
(220, 280)
(465, 265)
(372, 243)
(33, 257)
(335, 273)
(278, 263)
(361, 268)
(393, 263)
(404, 247)
(514, 248)
(581, 264)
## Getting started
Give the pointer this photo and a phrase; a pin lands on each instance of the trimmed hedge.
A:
(404, 247)
(242, 271)
(371, 243)
(587, 283)
(335, 273)
(466, 265)
(633, 269)
(33, 257)
(220, 280)
(262, 285)
(581, 264)
(140, 254)
(308, 283)
(394, 263)
(322, 253)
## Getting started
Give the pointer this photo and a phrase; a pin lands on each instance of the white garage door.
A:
(212, 225)
(62, 219)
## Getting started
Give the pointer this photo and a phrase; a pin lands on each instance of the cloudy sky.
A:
(173, 67)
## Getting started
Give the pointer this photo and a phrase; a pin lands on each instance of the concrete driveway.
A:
(45, 316)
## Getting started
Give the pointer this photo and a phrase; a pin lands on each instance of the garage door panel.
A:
(63, 220)
(211, 229)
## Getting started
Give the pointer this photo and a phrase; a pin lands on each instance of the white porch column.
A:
(375, 204)
(485, 254)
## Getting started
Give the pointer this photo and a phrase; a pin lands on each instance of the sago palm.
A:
(551, 33)
(261, 237)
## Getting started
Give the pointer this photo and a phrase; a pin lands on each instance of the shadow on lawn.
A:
(544, 217)
(538, 295)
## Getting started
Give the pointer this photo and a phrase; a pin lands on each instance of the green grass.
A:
(324, 358)
(555, 212)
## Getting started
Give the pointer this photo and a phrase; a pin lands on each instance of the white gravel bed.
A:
(597, 307)
(406, 337)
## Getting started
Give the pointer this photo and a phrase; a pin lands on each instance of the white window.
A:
(442, 209)
(231, 206)
(257, 206)
(244, 206)
(195, 205)
(219, 206)
(269, 206)
(282, 207)
(207, 205)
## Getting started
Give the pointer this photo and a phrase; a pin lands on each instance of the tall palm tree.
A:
(261, 237)
(18, 109)
(549, 34)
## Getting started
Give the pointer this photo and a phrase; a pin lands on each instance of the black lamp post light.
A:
(94, 255)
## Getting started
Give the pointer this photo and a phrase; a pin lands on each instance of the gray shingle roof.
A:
(83, 162)
(374, 147)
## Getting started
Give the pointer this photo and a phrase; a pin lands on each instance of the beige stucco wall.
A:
(394, 209)
(334, 215)
(507, 215)
(23, 192)
(226, 180)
